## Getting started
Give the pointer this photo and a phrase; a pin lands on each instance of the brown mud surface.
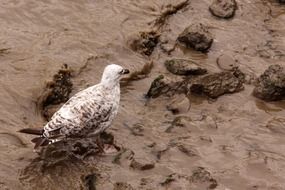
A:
(235, 142)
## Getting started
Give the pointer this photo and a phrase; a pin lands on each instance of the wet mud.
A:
(223, 138)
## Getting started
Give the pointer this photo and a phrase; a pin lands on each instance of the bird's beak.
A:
(125, 71)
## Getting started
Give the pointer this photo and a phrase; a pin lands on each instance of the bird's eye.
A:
(124, 71)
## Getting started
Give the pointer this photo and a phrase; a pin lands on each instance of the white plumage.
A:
(88, 112)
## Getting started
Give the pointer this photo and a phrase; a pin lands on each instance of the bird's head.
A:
(112, 74)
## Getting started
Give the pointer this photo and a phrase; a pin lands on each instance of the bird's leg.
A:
(100, 144)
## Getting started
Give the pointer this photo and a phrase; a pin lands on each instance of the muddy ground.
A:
(235, 141)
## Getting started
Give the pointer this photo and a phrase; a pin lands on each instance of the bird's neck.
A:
(110, 85)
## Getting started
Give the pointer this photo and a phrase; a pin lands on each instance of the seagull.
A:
(86, 114)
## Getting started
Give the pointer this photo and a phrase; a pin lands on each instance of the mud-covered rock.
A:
(73, 148)
(203, 179)
(184, 67)
(175, 181)
(66, 162)
(270, 86)
(142, 164)
(68, 150)
(196, 36)
(217, 84)
(56, 92)
(144, 42)
(223, 8)
(276, 125)
(184, 148)
(165, 86)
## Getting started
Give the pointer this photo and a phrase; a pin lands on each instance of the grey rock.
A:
(165, 86)
(223, 8)
(196, 36)
(217, 84)
(276, 125)
(270, 86)
(184, 67)
(144, 42)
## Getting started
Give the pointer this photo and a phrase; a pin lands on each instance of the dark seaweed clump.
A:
(56, 92)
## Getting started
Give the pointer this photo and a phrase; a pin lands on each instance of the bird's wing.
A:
(78, 98)
(78, 111)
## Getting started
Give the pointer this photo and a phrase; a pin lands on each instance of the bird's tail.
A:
(38, 141)
(32, 131)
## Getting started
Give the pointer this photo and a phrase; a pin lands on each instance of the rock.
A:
(196, 36)
(202, 178)
(223, 8)
(186, 149)
(165, 86)
(276, 125)
(175, 181)
(270, 86)
(67, 150)
(184, 67)
(226, 63)
(183, 147)
(169, 179)
(217, 84)
(145, 42)
(141, 164)
(67, 156)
